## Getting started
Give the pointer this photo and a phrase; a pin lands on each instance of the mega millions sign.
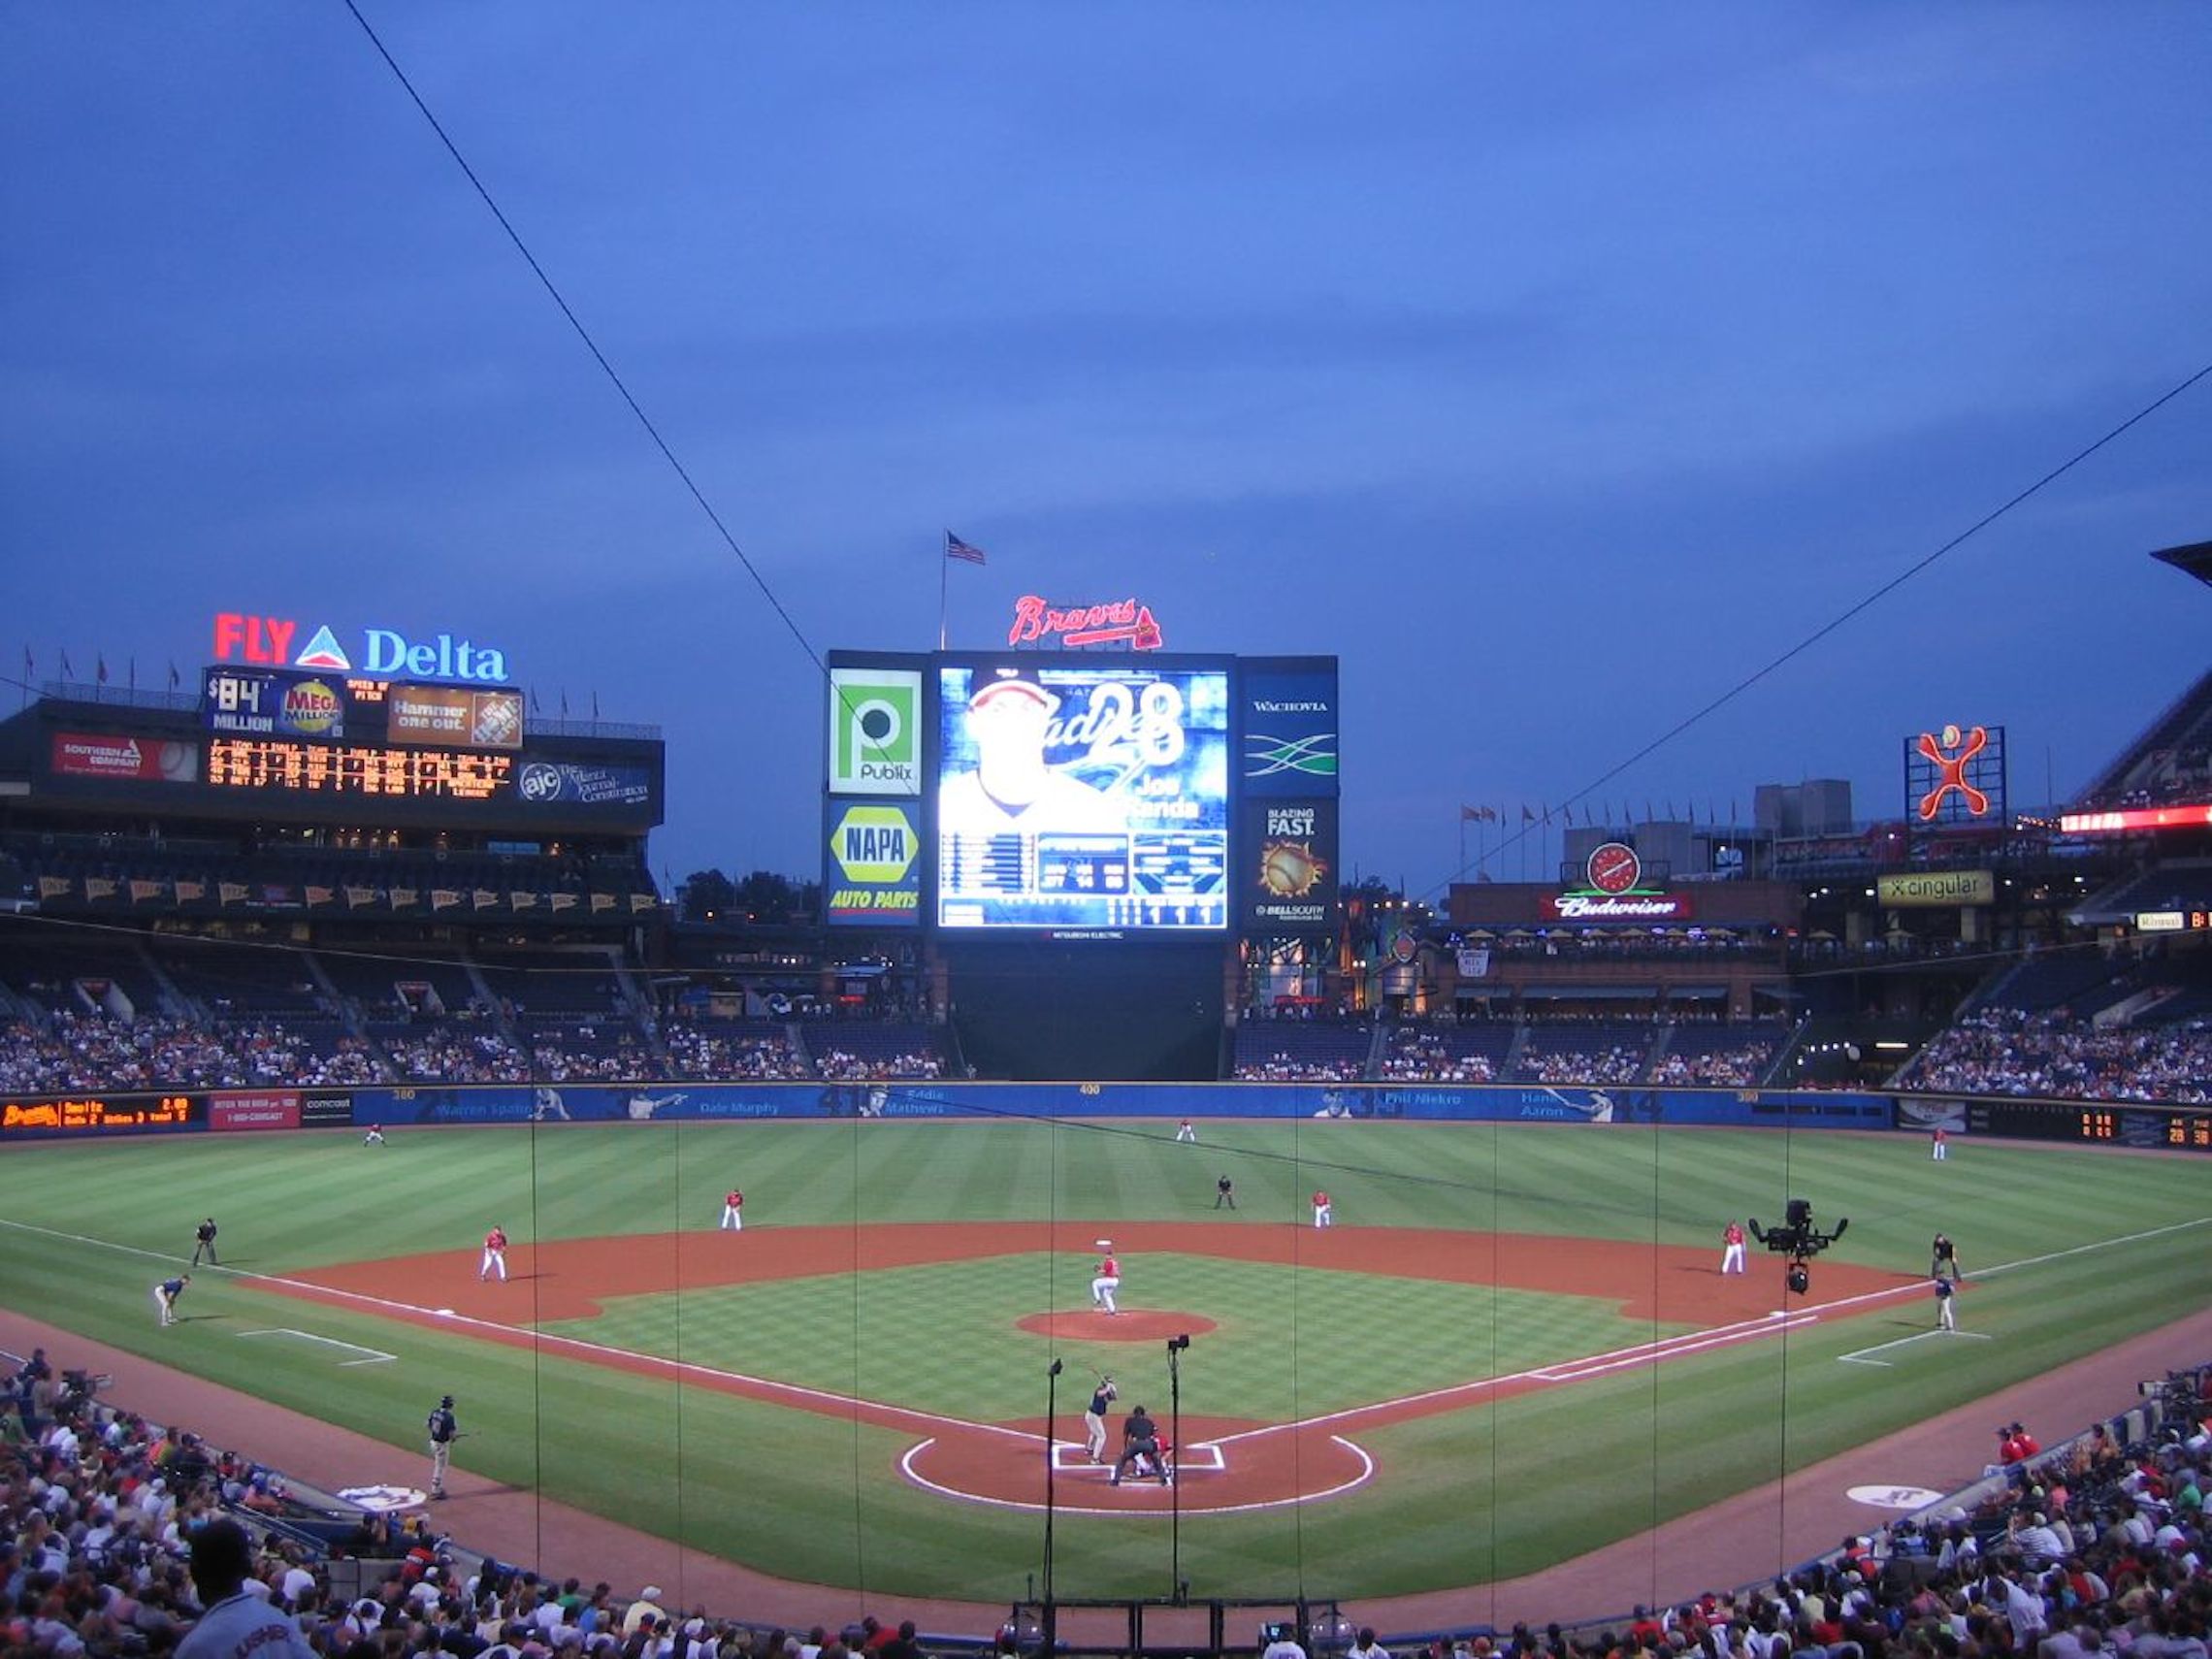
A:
(384, 653)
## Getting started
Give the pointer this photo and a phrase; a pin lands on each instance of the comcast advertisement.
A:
(1081, 792)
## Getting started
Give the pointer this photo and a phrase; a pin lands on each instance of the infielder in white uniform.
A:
(1732, 1247)
(1106, 1281)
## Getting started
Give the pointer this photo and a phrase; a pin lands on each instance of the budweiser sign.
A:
(1125, 622)
(1616, 907)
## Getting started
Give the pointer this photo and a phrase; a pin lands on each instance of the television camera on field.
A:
(1798, 1239)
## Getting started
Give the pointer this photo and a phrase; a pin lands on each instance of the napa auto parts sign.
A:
(385, 653)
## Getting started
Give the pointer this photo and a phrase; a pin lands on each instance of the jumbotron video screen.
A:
(1084, 792)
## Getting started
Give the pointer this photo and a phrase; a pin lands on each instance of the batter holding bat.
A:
(1095, 1418)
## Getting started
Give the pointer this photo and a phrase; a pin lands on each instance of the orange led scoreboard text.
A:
(350, 768)
(99, 1114)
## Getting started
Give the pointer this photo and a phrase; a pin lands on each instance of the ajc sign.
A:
(382, 652)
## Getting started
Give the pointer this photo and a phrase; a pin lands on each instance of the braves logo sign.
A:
(1950, 755)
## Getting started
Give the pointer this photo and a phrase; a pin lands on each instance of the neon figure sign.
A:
(1950, 755)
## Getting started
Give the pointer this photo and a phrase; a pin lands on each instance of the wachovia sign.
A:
(384, 653)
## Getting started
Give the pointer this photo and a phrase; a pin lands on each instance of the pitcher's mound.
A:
(1130, 1324)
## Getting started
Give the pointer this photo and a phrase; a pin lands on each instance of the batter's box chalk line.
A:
(1200, 1457)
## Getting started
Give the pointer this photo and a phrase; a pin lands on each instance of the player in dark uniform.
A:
(1095, 1418)
(443, 1431)
(1140, 1441)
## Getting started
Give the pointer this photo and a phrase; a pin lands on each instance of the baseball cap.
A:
(995, 686)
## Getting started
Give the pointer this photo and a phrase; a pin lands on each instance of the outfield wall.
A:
(2138, 1124)
(264, 1109)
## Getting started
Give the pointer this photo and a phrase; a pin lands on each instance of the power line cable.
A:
(607, 368)
(1849, 613)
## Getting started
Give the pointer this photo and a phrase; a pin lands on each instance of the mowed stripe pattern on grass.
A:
(813, 1498)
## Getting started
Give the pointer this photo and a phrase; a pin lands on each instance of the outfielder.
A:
(1187, 1133)
(733, 1208)
(1095, 1418)
(1732, 1247)
(1107, 1281)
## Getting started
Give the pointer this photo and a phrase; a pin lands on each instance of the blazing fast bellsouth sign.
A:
(280, 641)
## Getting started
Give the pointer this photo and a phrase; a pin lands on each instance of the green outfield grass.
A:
(1497, 1490)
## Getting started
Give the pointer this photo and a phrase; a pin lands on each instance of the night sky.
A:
(1555, 368)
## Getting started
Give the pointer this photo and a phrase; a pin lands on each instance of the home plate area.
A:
(1075, 1459)
(1219, 1464)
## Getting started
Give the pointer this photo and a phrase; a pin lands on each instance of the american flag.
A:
(956, 548)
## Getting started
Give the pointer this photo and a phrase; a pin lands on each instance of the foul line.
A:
(1858, 1356)
(1781, 1322)
(375, 1355)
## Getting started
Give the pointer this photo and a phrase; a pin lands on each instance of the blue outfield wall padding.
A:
(61, 1118)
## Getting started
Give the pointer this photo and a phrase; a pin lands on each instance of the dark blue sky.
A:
(1554, 369)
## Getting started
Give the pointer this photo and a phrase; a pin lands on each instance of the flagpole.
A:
(944, 571)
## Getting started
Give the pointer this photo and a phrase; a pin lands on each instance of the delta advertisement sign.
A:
(1613, 891)
(384, 653)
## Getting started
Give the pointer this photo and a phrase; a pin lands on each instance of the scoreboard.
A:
(2174, 1128)
(354, 768)
(331, 748)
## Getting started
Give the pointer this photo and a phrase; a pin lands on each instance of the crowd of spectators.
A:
(1283, 1066)
(114, 1531)
(697, 1053)
(1736, 1067)
(1420, 1055)
(2009, 1050)
(117, 1534)
(840, 1067)
(587, 1063)
(1610, 1062)
(458, 1054)
(97, 1051)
